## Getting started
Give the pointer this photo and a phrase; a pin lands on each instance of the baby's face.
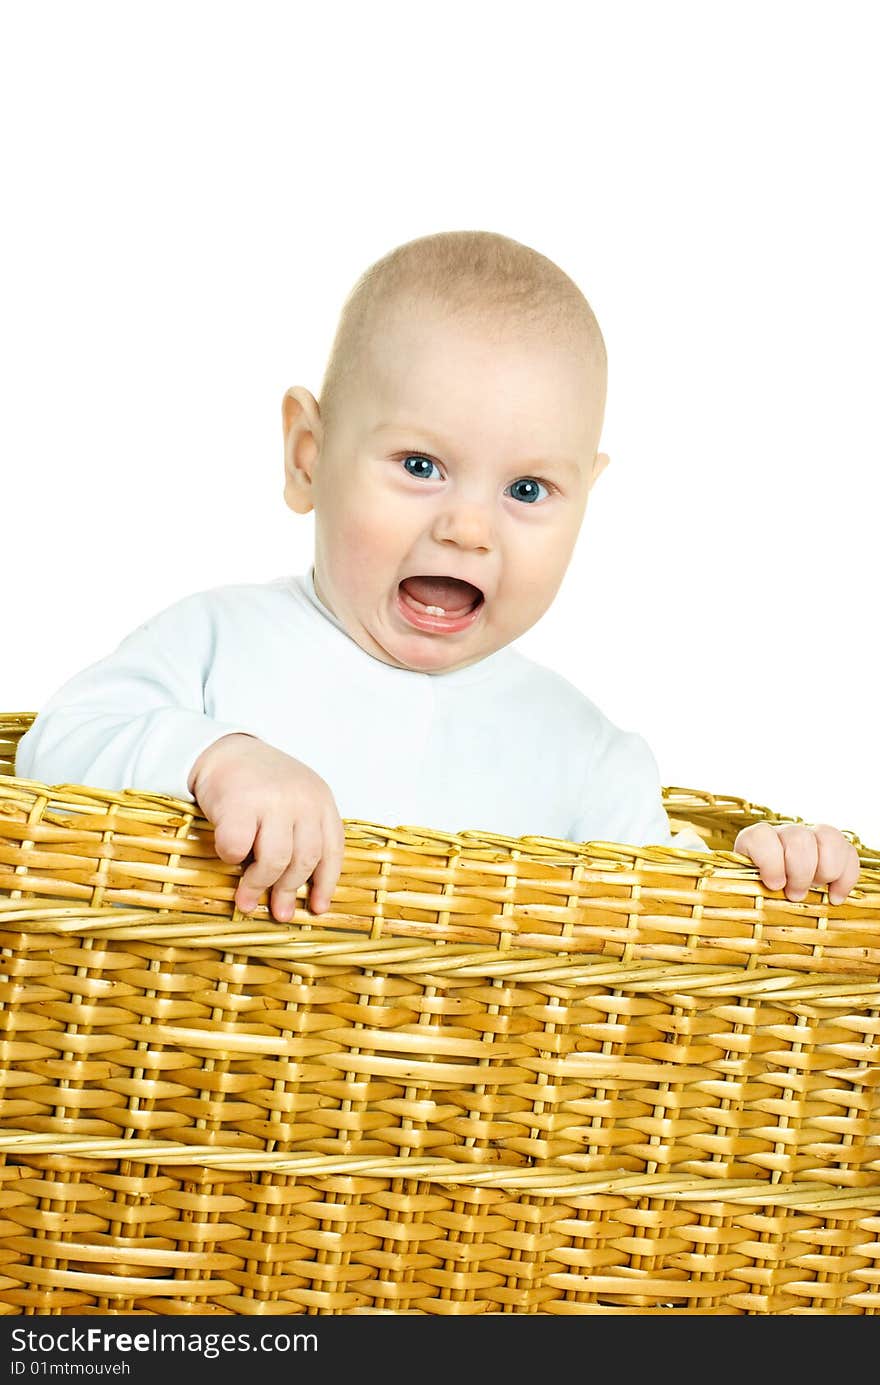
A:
(457, 455)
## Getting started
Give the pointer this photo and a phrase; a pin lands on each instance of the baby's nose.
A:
(468, 523)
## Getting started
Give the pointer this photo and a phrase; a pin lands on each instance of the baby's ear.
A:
(301, 422)
(299, 410)
(602, 460)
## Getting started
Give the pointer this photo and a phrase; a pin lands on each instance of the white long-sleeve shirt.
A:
(504, 745)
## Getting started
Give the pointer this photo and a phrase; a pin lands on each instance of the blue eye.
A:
(529, 481)
(417, 457)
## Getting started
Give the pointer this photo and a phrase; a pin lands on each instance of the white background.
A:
(190, 190)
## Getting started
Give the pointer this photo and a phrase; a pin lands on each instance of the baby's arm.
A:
(622, 798)
(136, 718)
(625, 804)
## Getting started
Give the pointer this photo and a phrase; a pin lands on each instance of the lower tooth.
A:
(436, 610)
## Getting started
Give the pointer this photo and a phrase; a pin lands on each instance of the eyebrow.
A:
(548, 463)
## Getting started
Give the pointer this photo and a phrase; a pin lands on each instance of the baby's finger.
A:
(834, 853)
(840, 888)
(306, 848)
(234, 836)
(801, 858)
(328, 870)
(761, 842)
(272, 850)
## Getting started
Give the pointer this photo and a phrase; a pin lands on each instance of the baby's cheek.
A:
(359, 546)
(539, 577)
(359, 550)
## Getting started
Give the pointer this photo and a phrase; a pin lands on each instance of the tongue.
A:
(454, 595)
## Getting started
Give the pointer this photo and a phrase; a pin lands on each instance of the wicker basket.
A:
(500, 1076)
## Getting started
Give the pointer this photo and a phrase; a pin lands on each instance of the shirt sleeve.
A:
(136, 718)
(622, 799)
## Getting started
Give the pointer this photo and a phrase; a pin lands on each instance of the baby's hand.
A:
(256, 796)
(797, 856)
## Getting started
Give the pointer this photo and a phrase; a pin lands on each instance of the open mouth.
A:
(441, 596)
(438, 603)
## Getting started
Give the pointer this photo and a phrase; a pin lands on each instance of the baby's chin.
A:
(418, 653)
(441, 661)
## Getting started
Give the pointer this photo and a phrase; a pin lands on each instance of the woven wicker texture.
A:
(500, 1075)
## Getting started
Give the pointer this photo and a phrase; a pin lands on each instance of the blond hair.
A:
(475, 275)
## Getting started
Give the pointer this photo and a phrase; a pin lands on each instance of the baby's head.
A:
(456, 438)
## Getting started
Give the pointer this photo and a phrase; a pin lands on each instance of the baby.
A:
(449, 465)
